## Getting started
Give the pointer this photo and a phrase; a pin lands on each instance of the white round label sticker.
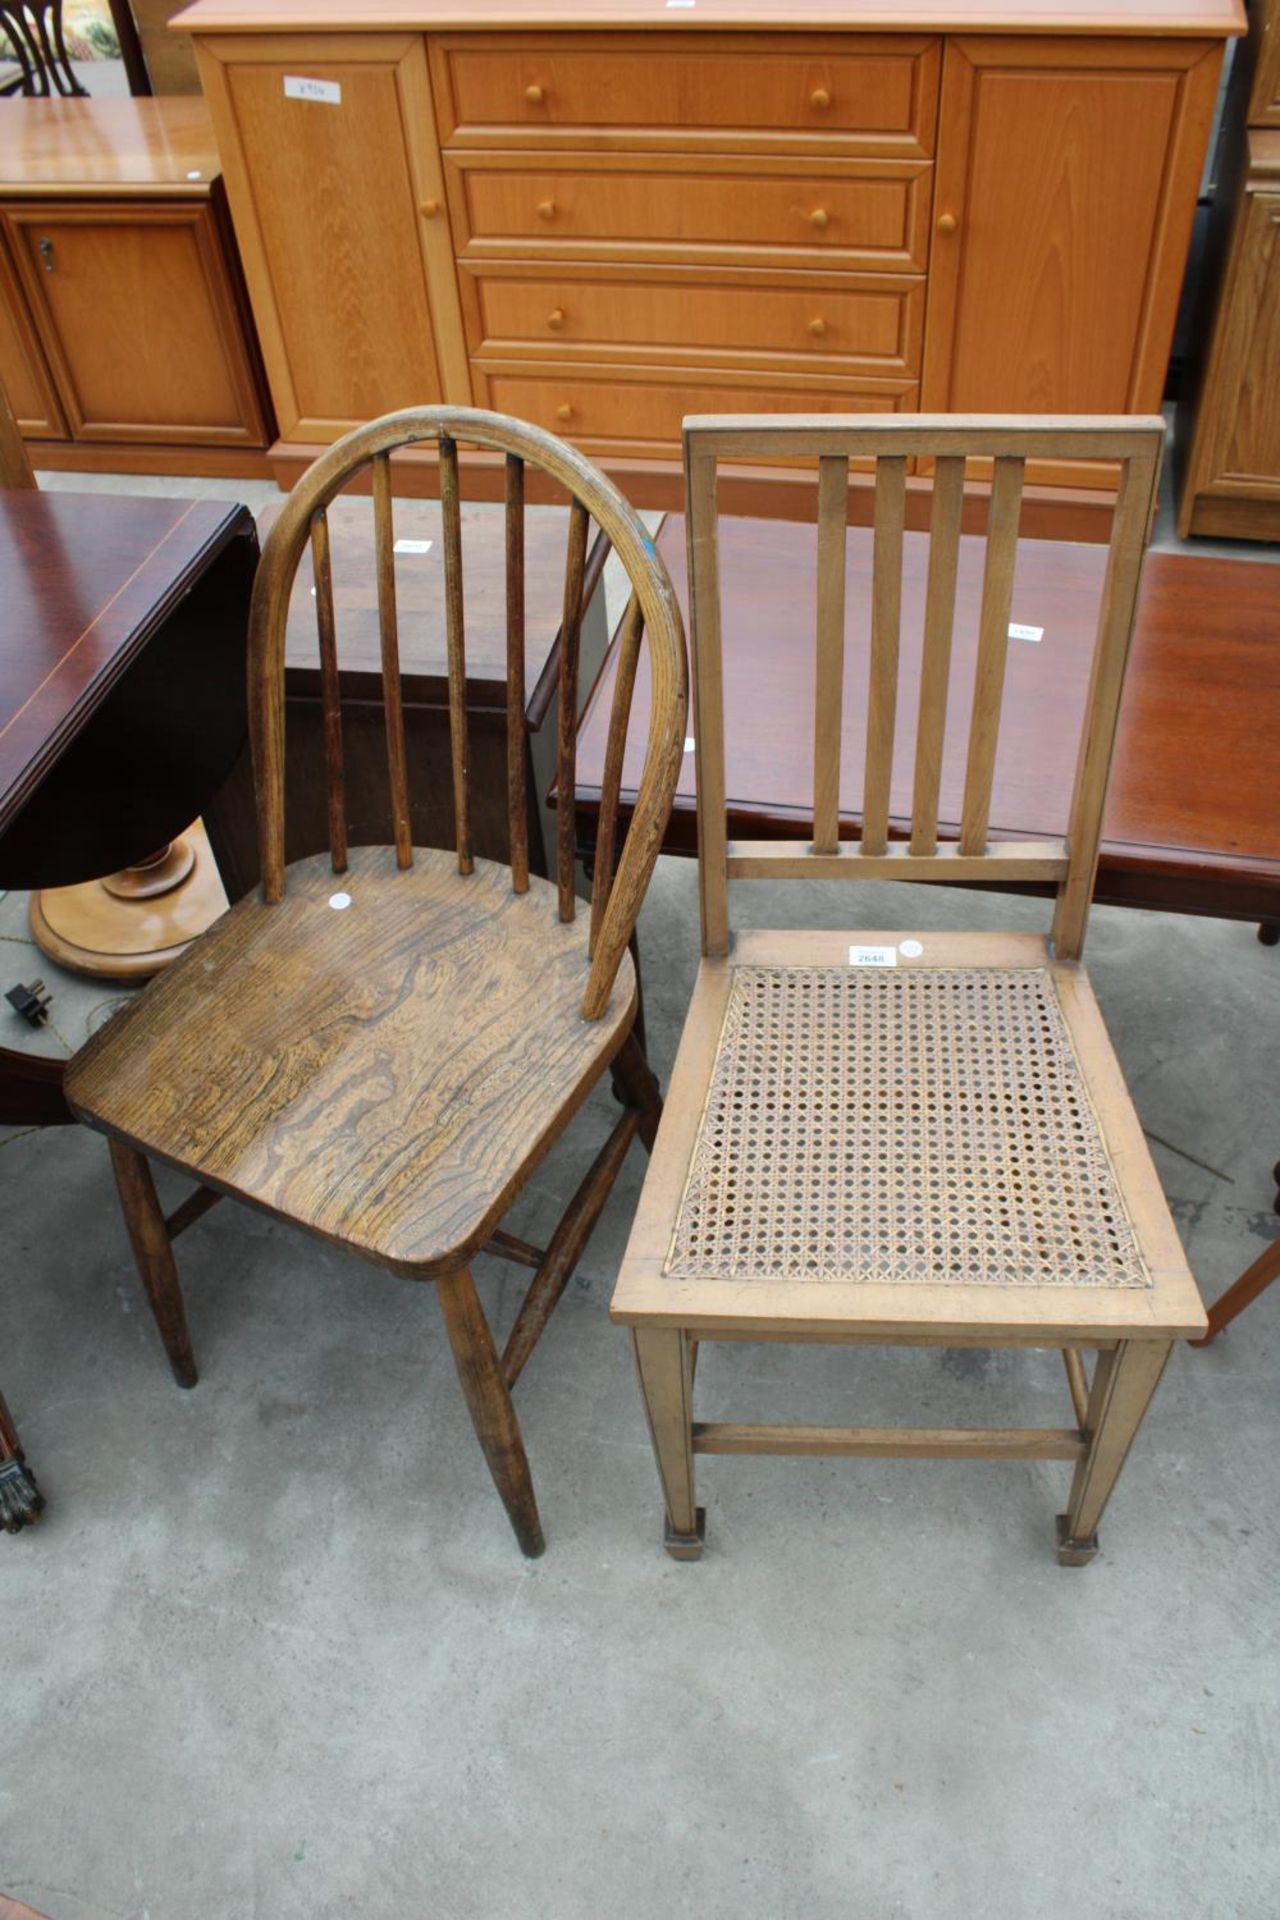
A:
(910, 949)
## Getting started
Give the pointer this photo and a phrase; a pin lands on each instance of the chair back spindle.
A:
(517, 795)
(615, 747)
(653, 613)
(946, 442)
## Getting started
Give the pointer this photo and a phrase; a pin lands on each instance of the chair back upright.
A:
(947, 441)
(652, 613)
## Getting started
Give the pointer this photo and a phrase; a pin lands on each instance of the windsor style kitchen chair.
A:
(921, 1140)
(384, 1058)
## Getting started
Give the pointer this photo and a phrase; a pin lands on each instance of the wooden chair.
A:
(34, 31)
(385, 1059)
(926, 1141)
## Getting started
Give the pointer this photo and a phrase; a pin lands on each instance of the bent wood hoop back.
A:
(946, 442)
(653, 612)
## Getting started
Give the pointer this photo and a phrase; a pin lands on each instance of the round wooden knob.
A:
(431, 208)
(818, 327)
(546, 209)
(819, 217)
(534, 95)
(564, 412)
(555, 319)
(946, 223)
(820, 98)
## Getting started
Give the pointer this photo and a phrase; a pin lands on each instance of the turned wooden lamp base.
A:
(136, 922)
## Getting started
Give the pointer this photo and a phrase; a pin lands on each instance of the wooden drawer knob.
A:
(818, 327)
(546, 209)
(535, 95)
(820, 98)
(431, 208)
(555, 319)
(946, 223)
(819, 217)
(564, 411)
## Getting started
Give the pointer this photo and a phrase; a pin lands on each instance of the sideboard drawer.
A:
(876, 96)
(600, 410)
(874, 323)
(870, 214)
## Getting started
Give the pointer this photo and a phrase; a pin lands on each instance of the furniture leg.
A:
(489, 1405)
(567, 1245)
(1123, 1382)
(639, 1087)
(149, 1237)
(666, 1385)
(1246, 1289)
(21, 1502)
(1269, 933)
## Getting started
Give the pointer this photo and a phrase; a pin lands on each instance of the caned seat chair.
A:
(877, 1137)
(381, 1044)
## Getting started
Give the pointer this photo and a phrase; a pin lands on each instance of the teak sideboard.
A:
(126, 341)
(601, 217)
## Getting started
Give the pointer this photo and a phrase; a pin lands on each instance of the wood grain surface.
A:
(157, 146)
(318, 1061)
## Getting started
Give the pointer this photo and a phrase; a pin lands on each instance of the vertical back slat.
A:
(993, 645)
(455, 634)
(1129, 532)
(517, 784)
(886, 616)
(935, 665)
(615, 747)
(704, 615)
(384, 537)
(833, 507)
(330, 695)
(567, 730)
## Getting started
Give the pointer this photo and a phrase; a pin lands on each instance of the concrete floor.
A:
(273, 1652)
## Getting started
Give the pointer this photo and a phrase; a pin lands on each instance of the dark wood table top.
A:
(86, 580)
(1193, 812)
(420, 600)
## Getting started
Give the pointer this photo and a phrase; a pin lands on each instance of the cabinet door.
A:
(1234, 479)
(138, 321)
(22, 366)
(338, 200)
(1065, 190)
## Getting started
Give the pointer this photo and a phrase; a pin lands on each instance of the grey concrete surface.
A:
(273, 1653)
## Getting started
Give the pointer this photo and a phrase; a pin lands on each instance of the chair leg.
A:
(664, 1365)
(489, 1404)
(1255, 1280)
(153, 1253)
(1123, 1382)
(636, 1083)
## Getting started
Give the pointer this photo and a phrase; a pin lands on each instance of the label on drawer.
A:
(1017, 631)
(413, 546)
(329, 92)
(873, 956)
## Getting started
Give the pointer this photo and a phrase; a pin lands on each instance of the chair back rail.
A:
(653, 612)
(946, 441)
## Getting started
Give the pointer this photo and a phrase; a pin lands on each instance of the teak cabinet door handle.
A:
(46, 254)
(947, 223)
(819, 217)
(546, 209)
(535, 95)
(818, 327)
(820, 98)
(564, 411)
(555, 319)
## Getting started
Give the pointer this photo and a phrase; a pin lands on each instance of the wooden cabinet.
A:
(1228, 427)
(604, 221)
(124, 331)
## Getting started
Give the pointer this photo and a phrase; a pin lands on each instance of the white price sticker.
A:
(873, 956)
(327, 92)
(1017, 632)
(413, 546)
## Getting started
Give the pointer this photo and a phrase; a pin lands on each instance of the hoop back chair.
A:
(34, 31)
(920, 1141)
(384, 1058)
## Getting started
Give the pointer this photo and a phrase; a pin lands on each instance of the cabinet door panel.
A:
(1236, 459)
(1069, 170)
(328, 200)
(136, 315)
(22, 367)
